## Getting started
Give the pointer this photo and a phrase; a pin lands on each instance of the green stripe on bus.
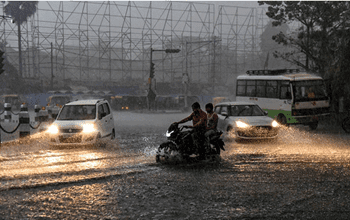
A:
(287, 114)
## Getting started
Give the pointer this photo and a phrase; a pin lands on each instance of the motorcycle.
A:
(179, 147)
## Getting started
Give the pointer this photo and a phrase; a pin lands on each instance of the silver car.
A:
(245, 120)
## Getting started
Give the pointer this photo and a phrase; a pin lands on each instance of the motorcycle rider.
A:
(199, 120)
(212, 119)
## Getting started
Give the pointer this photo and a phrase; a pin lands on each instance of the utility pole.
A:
(51, 84)
(20, 47)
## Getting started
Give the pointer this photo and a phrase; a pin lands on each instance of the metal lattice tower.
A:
(110, 42)
(240, 29)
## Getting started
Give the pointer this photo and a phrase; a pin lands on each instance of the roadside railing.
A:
(23, 127)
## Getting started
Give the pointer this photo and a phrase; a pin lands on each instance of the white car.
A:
(83, 122)
(246, 120)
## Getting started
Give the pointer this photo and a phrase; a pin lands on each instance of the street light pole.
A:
(151, 93)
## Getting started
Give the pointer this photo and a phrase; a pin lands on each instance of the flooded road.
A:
(302, 174)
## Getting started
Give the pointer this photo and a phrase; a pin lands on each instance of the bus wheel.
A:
(281, 119)
(313, 125)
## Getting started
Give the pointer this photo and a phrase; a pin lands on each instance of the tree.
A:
(20, 11)
(270, 47)
(324, 39)
(322, 22)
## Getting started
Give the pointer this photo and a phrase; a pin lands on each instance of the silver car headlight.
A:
(89, 128)
(241, 124)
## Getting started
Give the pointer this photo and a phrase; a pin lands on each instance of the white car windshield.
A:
(246, 110)
(77, 112)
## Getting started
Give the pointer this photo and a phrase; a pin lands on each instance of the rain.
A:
(135, 80)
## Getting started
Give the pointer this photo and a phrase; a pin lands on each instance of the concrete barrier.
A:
(7, 112)
(24, 120)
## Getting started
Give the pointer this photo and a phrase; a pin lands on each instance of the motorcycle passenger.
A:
(199, 120)
(212, 119)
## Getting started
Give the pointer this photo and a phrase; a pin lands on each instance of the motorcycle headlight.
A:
(89, 128)
(274, 124)
(241, 124)
(168, 134)
(53, 129)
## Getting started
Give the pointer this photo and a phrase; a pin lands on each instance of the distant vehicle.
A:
(246, 120)
(58, 100)
(15, 100)
(83, 122)
(290, 96)
(129, 102)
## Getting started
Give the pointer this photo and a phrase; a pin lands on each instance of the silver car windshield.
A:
(246, 110)
(77, 112)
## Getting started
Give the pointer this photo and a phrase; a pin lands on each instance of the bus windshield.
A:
(310, 90)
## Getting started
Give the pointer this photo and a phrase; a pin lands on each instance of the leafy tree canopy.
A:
(320, 36)
(21, 10)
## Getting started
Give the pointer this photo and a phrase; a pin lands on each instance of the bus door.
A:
(285, 95)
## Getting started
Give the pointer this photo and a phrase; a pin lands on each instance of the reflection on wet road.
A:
(302, 175)
(52, 165)
(24, 165)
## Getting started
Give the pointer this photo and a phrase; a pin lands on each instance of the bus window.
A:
(271, 89)
(251, 88)
(310, 90)
(285, 92)
(260, 88)
(241, 84)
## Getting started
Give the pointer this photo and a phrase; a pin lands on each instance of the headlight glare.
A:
(241, 124)
(53, 129)
(275, 124)
(88, 128)
(168, 134)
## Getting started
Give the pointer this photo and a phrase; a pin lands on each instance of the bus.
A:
(290, 96)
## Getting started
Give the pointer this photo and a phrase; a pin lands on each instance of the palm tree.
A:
(20, 11)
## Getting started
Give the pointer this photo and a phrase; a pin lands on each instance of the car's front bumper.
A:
(257, 132)
(73, 139)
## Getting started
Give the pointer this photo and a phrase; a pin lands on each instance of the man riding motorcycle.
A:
(212, 119)
(199, 120)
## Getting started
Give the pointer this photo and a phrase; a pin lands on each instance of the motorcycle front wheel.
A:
(165, 151)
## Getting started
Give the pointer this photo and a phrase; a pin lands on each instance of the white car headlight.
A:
(241, 124)
(53, 129)
(274, 124)
(88, 128)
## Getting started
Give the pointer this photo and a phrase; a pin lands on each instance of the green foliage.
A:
(270, 47)
(320, 36)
